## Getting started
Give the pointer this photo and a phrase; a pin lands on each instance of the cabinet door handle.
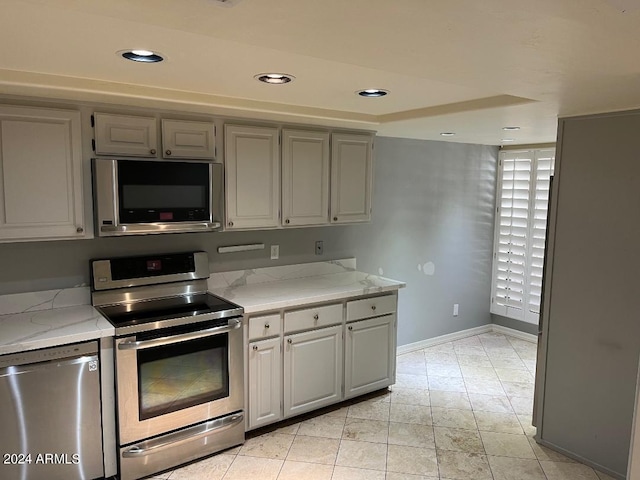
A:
(289, 340)
(152, 151)
(287, 221)
(168, 152)
(316, 316)
(266, 325)
(79, 230)
(350, 327)
(255, 347)
(335, 219)
(231, 224)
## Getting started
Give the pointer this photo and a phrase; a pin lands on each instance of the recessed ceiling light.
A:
(511, 129)
(274, 78)
(144, 56)
(372, 92)
(447, 134)
(507, 140)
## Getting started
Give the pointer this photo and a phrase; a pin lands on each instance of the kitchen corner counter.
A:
(52, 319)
(262, 290)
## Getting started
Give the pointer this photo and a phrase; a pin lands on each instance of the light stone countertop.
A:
(46, 319)
(299, 288)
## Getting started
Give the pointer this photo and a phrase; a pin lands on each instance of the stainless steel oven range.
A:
(178, 360)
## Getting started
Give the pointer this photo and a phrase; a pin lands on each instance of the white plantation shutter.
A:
(523, 193)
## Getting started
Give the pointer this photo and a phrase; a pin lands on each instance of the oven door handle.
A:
(233, 324)
(157, 445)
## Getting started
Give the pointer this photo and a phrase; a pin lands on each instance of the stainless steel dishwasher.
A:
(50, 414)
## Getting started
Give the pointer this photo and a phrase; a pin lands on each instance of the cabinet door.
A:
(351, 177)
(252, 177)
(181, 139)
(369, 355)
(305, 178)
(265, 382)
(125, 135)
(40, 174)
(312, 370)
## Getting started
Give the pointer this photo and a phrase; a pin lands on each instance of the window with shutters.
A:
(520, 232)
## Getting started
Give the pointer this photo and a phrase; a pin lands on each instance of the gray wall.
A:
(433, 202)
(591, 321)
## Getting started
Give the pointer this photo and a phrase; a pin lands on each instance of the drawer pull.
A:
(373, 307)
(350, 327)
(266, 325)
(316, 316)
(255, 347)
(289, 340)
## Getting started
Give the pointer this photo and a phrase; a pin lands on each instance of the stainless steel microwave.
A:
(141, 197)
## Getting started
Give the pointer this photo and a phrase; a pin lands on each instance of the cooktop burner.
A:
(158, 310)
(151, 292)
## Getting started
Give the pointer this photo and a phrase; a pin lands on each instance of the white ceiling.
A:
(463, 66)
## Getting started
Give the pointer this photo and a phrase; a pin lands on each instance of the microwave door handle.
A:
(233, 324)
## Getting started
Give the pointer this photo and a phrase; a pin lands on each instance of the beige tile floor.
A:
(459, 411)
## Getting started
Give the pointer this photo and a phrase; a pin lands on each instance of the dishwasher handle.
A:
(233, 324)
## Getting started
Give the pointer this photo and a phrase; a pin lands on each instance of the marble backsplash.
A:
(44, 300)
(238, 278)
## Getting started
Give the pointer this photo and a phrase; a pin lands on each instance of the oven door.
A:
(172, 378)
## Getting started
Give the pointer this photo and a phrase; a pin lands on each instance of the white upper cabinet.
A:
(351, 177)
(183, 139)
(40, 174)
(252, 164)
(125, 135)
(305, 178)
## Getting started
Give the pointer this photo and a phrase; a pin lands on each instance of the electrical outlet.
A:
(275, 252)
(319, 247)
(455, 309)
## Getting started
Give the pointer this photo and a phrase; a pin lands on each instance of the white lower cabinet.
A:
(370, 350)
(312, 370)
(265, 377)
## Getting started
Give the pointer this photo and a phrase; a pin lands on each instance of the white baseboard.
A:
(514, 333)
(470, 332)
(449, 337)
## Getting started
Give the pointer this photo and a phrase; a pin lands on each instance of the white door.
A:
(125, 135)
(252, 177)
(312, 370)
(181, 139)
(351, 177)
(305, 178)
(369, 355)
(40, 174)
(265, 382)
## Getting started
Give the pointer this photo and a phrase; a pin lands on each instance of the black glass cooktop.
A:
(187, 307)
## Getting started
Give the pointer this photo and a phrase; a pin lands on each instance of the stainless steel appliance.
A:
(50, 415)
(140, 197)
(178, 360)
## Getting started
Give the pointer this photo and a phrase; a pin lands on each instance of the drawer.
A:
(371, 307)
(321, 316)
(264, 326)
